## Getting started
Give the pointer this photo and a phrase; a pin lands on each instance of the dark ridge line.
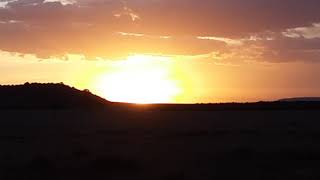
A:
(60, 96)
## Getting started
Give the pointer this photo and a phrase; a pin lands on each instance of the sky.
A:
(156, 51)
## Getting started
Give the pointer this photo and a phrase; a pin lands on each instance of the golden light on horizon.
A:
(140, 79)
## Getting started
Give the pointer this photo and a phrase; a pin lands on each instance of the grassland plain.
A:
(155, 144)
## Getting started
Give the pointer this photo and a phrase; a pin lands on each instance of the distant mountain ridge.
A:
(301, 99)
(52, 96)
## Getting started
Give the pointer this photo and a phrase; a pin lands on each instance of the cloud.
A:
(308, 32)
(126, 11)
(232, 30)
(224, 17)
(4, 3)
(228, 41)
(288, 49)
(63, 2)
(131, 34)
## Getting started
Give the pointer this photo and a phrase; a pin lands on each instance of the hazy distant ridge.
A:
(300, 99)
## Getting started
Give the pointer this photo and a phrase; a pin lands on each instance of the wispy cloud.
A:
(126, 11)
(131, 34)
(308, 32)
(4, 3)
(228, 41)
(63, 2)
(143, 35)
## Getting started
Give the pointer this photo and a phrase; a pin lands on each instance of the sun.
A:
(140, 79)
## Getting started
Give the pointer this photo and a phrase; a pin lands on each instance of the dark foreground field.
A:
(157, 144)
(53, 131)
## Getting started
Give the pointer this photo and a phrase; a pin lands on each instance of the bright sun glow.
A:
(140, 79)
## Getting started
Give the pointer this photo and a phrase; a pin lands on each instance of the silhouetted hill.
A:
(53, 96)
(60, 96)
(299, 99)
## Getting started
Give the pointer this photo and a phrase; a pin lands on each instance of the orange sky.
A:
(184, 51)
